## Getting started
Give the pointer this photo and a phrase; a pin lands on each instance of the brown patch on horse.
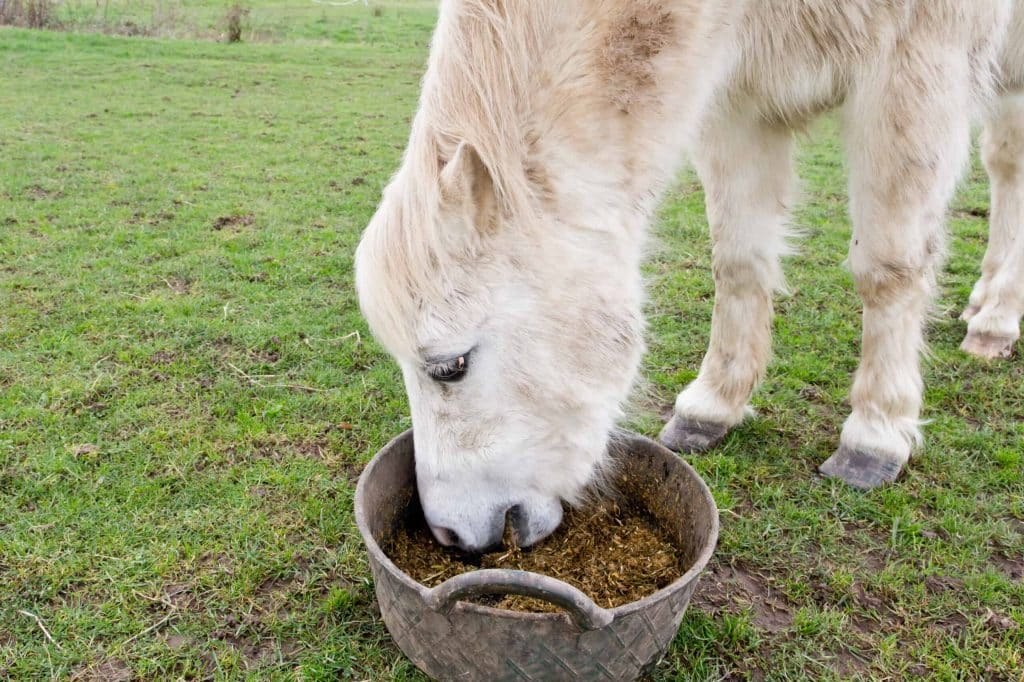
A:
(540, 181)
(633, 39)
(888, 281)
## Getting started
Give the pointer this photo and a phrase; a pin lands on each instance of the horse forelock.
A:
(479, 89)
(398, 267)
(476, 90)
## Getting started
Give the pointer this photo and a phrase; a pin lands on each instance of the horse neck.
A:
(592, 102)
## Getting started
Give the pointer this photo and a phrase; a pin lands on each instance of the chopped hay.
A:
(615, 554)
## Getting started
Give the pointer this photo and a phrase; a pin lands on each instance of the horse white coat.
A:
(502, 269)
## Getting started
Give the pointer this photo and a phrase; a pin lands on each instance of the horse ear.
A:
(467, 188)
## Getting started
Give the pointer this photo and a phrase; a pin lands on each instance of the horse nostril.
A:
(515, 520)
(446, 536)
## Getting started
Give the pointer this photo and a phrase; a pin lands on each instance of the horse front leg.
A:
(907, 138)
(746, 169)
(997, 301)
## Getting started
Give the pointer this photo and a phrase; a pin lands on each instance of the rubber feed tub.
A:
(452, 639)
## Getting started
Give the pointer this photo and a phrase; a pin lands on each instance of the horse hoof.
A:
(987, 346)
(860, 468)
(690, 436)
(969, 312)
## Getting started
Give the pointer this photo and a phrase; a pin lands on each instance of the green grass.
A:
(385, 24)
(187, 390)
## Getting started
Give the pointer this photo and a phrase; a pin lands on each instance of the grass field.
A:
(188, 392)
(382, 23)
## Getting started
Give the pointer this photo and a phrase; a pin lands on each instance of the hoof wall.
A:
(689, 436)
(860, 468)
(987, 346)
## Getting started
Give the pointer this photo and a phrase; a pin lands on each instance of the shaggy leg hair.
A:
(746, 168)
(907, 144)
(997, 302)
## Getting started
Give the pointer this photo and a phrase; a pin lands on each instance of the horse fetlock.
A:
(706, 403)
(690, 436)
(892, 436)
(863, 469)
(702, 418)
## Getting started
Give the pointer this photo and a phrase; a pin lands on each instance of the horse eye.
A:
(449, 370)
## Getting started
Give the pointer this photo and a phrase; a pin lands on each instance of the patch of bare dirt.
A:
(38, 193)
(178, 285)
(998, 622)
(141, 218)
(178, 596)
(176, 642)
(731, 589)
(937, 584)
(867, 599)
(276, 448)
(880, 611)
(953, 624)
(163, 357)
(849, 664)
(234, 221)
(84, 450)
(266, 356)
(248, 634)
(110, 670)
(1011, 567)
(351, 471)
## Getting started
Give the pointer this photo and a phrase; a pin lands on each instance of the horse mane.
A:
(477, 89)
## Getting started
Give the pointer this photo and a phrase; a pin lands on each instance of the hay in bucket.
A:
(613, 552)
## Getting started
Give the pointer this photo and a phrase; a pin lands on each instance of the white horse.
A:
(502, 269)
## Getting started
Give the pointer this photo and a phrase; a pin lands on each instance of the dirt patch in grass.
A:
(937, 584)
(849, 664)
(997, 621)
(141, 218)
(730, 589)
(234, 221)
(163, 357)
(38, 193)
(1011, 567)
(110, 670)
(351, 470)
(614, 554)
(277, 449)
(179, 596)
(178, 285)
(953, 624)
(868, 600)
(254, 650)
(176, 642)
(265, 356)
(278, 586)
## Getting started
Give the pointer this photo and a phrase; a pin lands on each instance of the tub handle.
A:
(581, 608)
